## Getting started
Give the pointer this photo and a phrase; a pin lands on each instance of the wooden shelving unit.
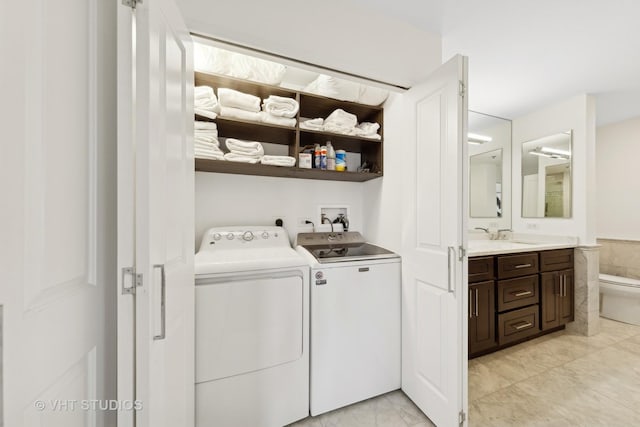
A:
(296, 138)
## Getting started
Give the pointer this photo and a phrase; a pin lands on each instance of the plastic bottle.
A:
(341, 160)
(323, 157)
(316, 157)
(331, 157)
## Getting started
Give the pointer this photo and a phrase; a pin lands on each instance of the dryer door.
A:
(245, 323)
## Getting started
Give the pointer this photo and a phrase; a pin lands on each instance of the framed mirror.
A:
(546, 176)
(489, 143)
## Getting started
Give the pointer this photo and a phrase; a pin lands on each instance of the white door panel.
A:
(434, 329)
(52, 333)
(156, 334)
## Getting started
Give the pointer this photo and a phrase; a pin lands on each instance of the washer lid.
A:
(349, 252)
(246, 259)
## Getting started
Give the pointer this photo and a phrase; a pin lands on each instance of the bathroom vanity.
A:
(517, 291)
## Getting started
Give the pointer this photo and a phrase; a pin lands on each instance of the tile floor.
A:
(560, 380)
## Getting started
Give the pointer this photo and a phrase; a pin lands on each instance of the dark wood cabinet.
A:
(557, 298)
(515, 297)
(482, 315)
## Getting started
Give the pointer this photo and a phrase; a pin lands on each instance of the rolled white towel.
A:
(275, 120)
(278, 160)
(280, 106)
(246, 148)
(341, 118)
(312, 124)
(205, 99)
(235, 157)
(237, 113)
(233, 98)
(200, 125)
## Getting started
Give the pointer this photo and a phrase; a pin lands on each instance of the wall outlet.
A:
(302, 222)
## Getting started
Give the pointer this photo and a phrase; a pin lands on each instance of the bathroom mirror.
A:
(489, 143)
(546, 176)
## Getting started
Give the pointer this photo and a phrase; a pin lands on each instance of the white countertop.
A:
(518, 243)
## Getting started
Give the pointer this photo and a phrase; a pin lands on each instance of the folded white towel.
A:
(341, 118)
(368, 130)
(245, 148)
(275, 120)
(206, 135)
(203, 92)
(312, 124)
(237, 113)
(278, 160)
(234, 157)
(233, 98)
(204, 154)
(199, 125)
(344, 130)
(207, 145)
(204, 113)
(281, 106)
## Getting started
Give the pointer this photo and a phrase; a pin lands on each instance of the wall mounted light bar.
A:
(477, 139)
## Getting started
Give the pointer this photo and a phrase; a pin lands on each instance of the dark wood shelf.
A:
(223, 166)
(311, 106)
(254, 131)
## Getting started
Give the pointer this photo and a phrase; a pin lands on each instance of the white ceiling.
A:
(527, 54)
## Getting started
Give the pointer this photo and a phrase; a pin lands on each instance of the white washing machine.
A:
(252, 323)
(355, 319)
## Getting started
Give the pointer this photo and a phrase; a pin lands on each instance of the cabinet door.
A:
(566, 301)
(482, 316)
(550, 286)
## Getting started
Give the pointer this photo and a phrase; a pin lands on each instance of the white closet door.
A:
(52, 253)
(434, 328)
(156, 206)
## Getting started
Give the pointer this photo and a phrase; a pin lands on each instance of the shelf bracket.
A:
(131, 3)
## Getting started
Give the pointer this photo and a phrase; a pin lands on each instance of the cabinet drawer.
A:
(561, 259)
(519, 292)
(517, 265)
(518, 324)
(481, 269)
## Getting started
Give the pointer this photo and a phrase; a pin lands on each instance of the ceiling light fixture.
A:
(550, 150)
(475, 138)
(552, 153)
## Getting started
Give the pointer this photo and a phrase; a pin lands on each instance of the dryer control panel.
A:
(242, 236)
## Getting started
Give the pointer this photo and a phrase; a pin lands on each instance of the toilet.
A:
(620, 298)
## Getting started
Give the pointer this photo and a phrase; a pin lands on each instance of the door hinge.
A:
(131, 3)
(463, 253)
(135, 280)
(462, 88)
(462, 417)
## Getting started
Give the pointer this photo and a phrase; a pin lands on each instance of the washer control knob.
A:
(230, 236)
(216, 236)
(247, 236)
(265, 235)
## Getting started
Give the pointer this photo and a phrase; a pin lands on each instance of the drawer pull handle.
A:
(523, 266)
(522, 326)
(521, 293)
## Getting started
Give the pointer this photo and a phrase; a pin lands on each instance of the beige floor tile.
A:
(407, 410)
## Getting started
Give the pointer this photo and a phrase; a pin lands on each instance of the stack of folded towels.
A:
(205, 141)
(276, 110)
(239, 105)
(243, 151)
(339, 121)
(279, 110)
(205, 102)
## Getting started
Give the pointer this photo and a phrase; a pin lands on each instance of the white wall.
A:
(331, 33)
(383, 196)
(578, 114)
(618, 180)
(225, 199)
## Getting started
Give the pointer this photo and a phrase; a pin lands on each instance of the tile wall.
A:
(620, 257)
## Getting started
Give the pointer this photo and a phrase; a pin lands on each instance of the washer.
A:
(355, 319)
(252, 323)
